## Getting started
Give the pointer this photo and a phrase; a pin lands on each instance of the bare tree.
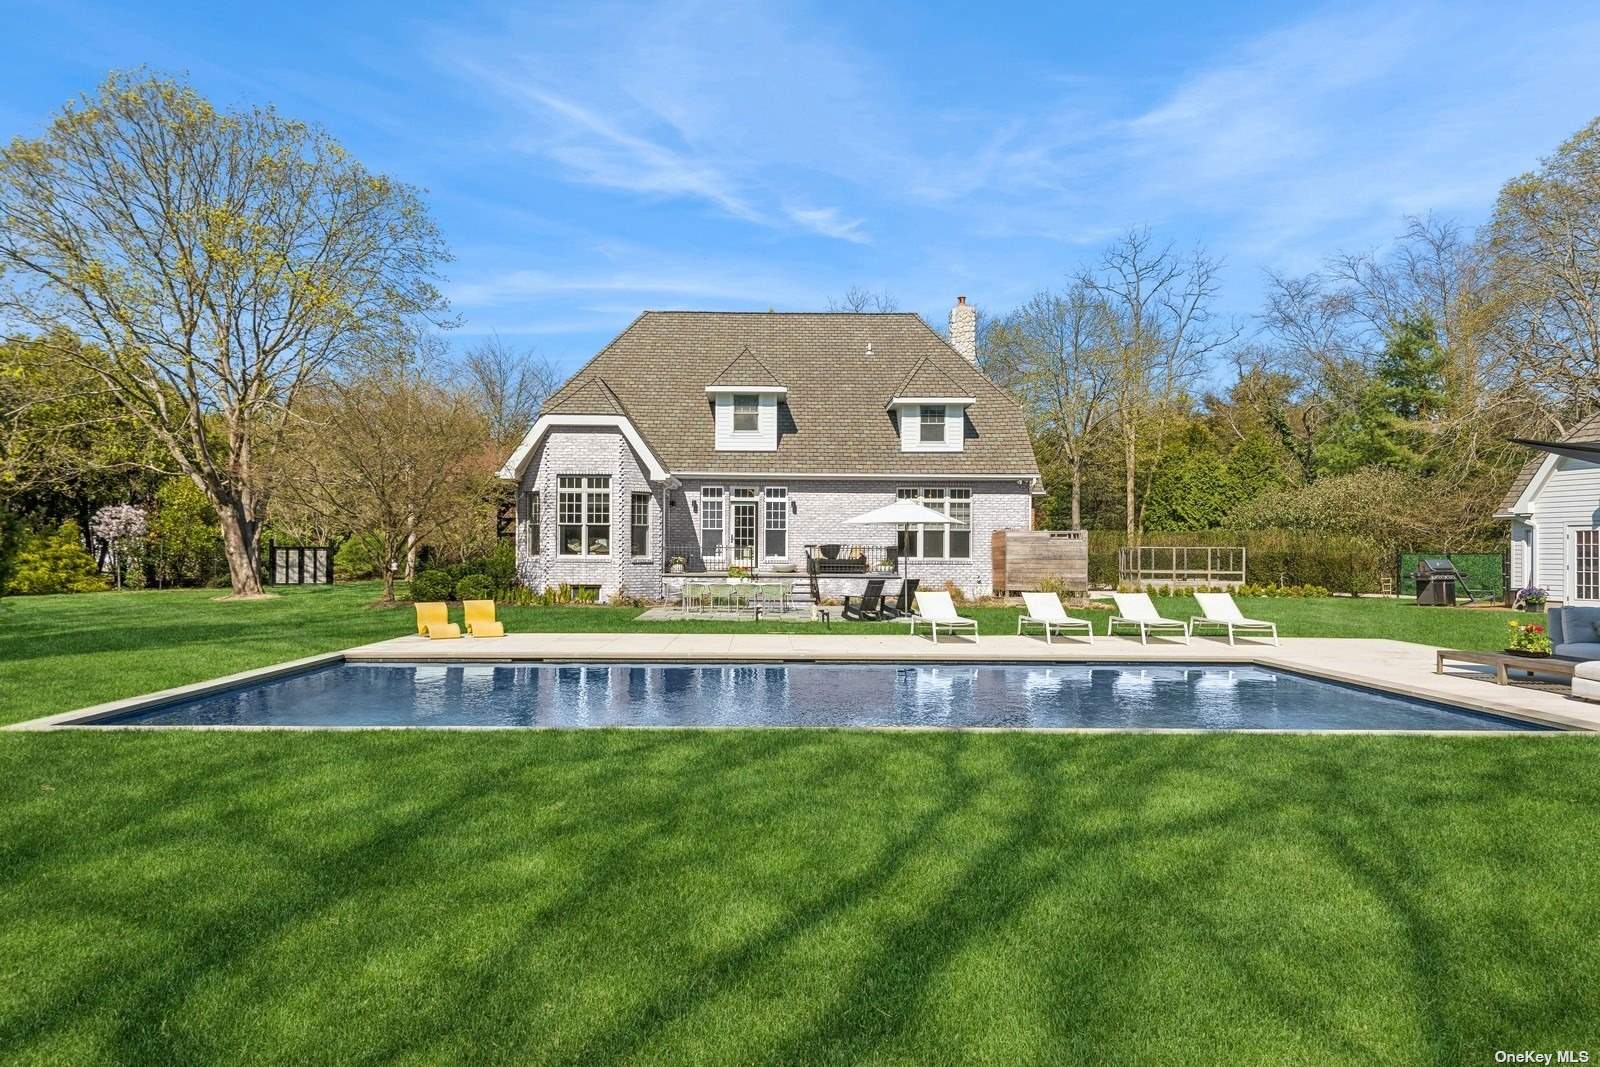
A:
(395, 451)
(1162, 334)
(1545, 246)
(224, 261)
(857, 298)
(511, 385)
(1054, 353)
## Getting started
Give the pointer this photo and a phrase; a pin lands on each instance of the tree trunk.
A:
(1077, 492)
(240, 545)
(388, 581)
(1129, 441)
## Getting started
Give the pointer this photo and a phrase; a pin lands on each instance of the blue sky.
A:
(587, 162)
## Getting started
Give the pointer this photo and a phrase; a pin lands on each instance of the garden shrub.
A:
(433, 585)
(55, 562)
(1339, 562)
(184, 545)
(475, 587)
(361, 556)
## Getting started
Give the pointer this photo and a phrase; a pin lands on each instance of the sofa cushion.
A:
(1590, 670)
(1579, 624)
(1552, 625)
(1579, 650)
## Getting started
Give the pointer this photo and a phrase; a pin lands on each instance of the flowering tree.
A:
(122, 528)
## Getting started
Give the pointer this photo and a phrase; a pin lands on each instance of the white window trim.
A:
(585, 492)
(649, 526)
(916, 493)
(733, 415)
(769, 496)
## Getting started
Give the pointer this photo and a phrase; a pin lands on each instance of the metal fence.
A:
(1180, 565)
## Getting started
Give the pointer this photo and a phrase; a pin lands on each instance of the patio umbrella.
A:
(903, 513)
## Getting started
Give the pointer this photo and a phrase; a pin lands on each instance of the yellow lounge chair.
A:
(480, 619)
(433, 619)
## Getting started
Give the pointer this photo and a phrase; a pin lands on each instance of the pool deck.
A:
(1392, 666)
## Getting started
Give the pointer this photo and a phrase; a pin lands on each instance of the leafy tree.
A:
(11, 534)
(1389, 425)
(224, 261)
(183, 533)
(67, 446)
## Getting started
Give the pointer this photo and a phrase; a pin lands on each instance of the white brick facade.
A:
(815, 512)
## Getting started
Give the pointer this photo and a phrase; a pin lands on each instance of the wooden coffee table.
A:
(1557, 666)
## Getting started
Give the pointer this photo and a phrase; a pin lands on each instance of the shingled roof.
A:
(840, 368)
(746, 370)
(592, 396)
(927, 379)
(1587, 430)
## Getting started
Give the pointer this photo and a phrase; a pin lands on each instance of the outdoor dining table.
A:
(736, 593)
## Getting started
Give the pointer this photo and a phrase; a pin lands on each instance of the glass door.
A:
(744, 533)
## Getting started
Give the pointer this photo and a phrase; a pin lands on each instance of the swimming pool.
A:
(993, 695)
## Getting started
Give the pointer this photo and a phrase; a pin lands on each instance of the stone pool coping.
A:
(1397, 667)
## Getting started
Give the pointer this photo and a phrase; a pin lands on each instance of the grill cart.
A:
(1437, 579)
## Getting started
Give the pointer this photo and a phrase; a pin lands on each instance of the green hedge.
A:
(1340, 563)
(1484, 571)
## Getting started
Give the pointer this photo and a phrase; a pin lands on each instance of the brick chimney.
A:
(964, 328)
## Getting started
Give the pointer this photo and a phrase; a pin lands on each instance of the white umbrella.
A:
(903, 513)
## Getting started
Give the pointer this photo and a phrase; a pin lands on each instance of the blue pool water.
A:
(1213, 697)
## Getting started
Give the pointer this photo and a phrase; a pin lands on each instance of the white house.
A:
(746, 438)
(1554, 508)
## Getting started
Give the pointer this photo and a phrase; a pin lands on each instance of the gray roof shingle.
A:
(840, 369)
(1587, 430)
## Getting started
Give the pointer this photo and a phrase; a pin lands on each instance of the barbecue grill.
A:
(1436, 581)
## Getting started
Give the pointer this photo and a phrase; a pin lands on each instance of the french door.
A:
(1583, 563)
(744, 532)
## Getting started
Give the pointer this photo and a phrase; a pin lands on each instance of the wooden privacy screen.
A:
(1024, 558)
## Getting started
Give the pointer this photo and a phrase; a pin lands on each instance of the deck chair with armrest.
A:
(868, 602)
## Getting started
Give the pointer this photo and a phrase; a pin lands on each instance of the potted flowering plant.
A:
(738, 573)
(675, 565)
(1531, 598)
(1528, 640)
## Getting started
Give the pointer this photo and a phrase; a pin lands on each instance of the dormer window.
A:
(746, 413)
(931, 424)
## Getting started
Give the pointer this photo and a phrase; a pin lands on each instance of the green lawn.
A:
(765, 896)
(65, 652)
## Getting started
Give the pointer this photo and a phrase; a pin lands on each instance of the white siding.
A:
(955, 425)
(1569, 498)
(765, 438)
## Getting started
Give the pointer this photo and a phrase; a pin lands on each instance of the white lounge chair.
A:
(1044, 609)
(936, 609)
(1135, 609)
(1220, 610)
